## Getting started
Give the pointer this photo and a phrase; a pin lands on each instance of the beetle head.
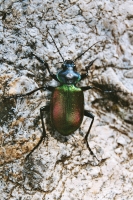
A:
(68, 64)
(68, 75)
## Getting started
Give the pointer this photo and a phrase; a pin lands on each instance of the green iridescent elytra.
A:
(67, 108)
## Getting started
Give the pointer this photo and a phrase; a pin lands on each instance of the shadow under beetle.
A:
(67, 101)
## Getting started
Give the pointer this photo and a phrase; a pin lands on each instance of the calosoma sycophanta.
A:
(67, 101)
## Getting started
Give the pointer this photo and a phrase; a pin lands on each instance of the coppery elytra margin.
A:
(67, 101)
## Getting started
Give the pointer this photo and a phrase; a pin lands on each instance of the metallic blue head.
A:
(68, 74)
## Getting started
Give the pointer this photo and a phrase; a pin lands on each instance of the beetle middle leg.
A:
(84, 88)
(47, 87)
(46, 65)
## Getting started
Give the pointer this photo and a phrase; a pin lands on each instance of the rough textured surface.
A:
(62, 168)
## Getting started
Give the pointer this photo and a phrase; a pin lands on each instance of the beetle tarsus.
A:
(83, 76)
(90, 64)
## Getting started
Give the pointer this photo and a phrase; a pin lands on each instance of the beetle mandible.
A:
(67, 101)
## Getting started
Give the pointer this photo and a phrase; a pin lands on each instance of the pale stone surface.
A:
(63, 168)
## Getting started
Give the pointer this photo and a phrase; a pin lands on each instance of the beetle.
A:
(67, 100)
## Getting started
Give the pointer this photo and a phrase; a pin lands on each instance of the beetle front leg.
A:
(83, 76)
(42, 109)
(46, 65)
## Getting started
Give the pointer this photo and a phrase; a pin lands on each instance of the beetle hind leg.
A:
(43, 136)
(88, 114)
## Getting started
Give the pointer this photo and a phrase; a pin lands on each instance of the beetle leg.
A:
(50, 88)
(90, 87)
(88, 114)
(47, 66)
(96, 88)
(42, 109)
(83, 76)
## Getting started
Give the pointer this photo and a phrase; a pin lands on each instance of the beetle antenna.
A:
(86, 50)
(56, 46)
